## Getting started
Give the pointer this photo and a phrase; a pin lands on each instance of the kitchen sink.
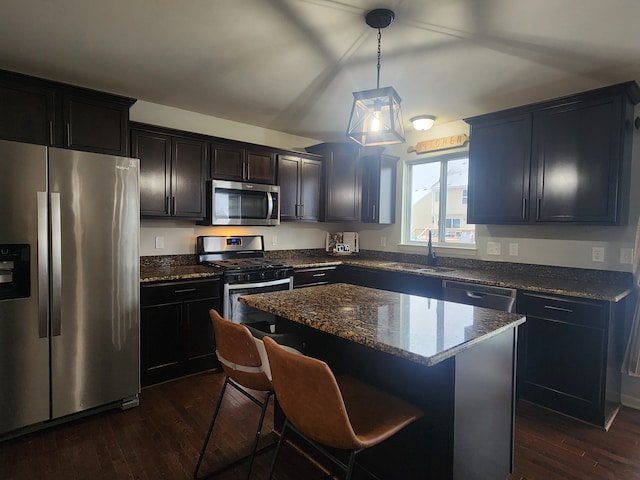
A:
(433, 269)
(411, 268)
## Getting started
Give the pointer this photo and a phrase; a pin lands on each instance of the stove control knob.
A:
(263, 275)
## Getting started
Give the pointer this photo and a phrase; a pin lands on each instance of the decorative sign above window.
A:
(442, 143)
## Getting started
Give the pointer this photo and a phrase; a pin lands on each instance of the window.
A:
(443, 211)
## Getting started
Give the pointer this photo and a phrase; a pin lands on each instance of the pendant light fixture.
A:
(376, 118)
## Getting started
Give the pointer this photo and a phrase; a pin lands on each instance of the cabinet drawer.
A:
(314, 276)
(171, 292)
(583, 312)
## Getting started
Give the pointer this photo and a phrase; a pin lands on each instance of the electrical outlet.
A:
(159, 242)
(383, 241)
(626, 256)
(513, 249)
(493, 248)
(274, 240)
(597, 254)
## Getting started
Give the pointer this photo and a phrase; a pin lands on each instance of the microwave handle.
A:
(269, 204)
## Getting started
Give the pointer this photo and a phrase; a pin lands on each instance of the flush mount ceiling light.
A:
(376, 118)
(423, 122)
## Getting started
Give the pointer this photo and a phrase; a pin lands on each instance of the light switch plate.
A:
(513, 249)
(626, 256)
(493, 248)
(597, 254)
(159, 242)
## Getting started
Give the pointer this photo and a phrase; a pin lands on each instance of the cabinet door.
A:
(154, 152)
(379, 189)
(95, 125)
(27, 113)
(341, 181)
(499, 169)
(578, 153)
(188, 165)
(200, 351)
(160, 342)
(289, 181)
(310, 188)
(227, 163)
(261, 167)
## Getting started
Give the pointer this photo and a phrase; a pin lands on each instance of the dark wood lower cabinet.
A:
(569, 355)
(176, 333)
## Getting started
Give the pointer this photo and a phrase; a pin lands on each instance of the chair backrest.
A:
(236, 349)
(310, 397)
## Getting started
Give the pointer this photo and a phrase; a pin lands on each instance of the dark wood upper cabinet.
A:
(28, 111)
(499, 173)
(566, 160)
(172, 172)
(379, 188)
(50, 113)
(95, 125)
(300, 181)
(154, 151)
(341, 177)
(243, 164)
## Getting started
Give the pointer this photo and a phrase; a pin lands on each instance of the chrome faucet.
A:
(431, 256)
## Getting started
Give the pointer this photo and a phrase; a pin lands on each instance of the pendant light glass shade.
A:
(376, 117)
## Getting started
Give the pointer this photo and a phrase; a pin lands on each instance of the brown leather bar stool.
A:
(245, 367)
(326, 411)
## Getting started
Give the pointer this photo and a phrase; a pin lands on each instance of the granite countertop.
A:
(177, 272)
(593, 287)
(422, 330)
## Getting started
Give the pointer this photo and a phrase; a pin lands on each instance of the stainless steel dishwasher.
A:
(497, 298)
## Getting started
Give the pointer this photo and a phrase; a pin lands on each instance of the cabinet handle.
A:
(524, 208)
(245, 171)
(68, 135)
(538, 200)
(559, 309)
(301, 210)
(50, 132)
(374, 211)
(166, 205)
(319, 274)
(173, 205)
(184, 290)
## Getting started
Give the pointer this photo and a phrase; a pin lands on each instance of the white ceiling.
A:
(291, 65)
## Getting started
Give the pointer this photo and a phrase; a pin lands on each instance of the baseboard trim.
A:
(629, 401)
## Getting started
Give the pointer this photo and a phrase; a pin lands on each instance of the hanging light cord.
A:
(379, 38)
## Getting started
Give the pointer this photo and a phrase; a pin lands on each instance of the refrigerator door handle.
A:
(56, 265)
(43, 269)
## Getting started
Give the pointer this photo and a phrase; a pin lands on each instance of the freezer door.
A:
(24, 343)
(95, 280)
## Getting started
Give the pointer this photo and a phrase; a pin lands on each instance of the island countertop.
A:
(423, 330)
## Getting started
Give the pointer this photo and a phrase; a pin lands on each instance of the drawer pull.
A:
(184, 290)
(559, 309)
(319, 274)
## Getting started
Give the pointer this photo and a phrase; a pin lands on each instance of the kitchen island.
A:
(456, 362)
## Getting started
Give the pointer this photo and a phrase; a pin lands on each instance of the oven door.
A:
(240, 313)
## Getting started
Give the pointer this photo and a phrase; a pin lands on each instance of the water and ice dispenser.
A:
(15, 281)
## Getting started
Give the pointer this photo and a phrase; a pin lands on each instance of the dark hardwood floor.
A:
(162, 439)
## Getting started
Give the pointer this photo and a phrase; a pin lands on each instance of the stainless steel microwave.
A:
(240, 203)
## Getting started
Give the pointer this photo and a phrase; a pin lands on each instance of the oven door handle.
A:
(268, 283)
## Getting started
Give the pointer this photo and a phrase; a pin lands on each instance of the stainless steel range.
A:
(246, 270)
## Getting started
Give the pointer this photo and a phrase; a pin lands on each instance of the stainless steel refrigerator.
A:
(69, 283)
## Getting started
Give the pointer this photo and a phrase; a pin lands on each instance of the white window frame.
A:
(443, 159)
